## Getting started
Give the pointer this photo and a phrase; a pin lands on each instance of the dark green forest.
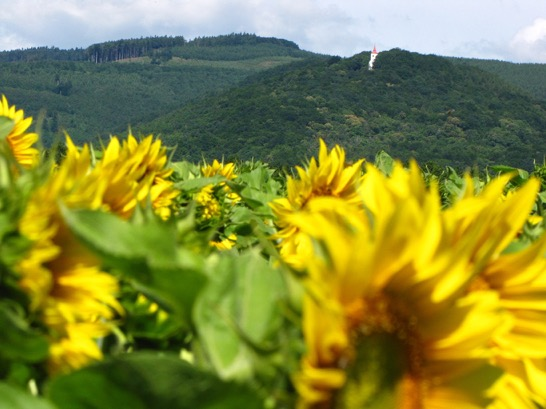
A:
(241, 96)
(91, 100)
(410, 105)
(225, 47)
(530, 77)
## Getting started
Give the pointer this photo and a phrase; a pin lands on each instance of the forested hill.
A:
(530, 77)
(244, 96)
(410, 105)
(109, 86)
(158, 47)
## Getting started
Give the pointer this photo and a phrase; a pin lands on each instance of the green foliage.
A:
(238, 315)
(17, 340)
(14, 398)
(145, 253)
(148, 380)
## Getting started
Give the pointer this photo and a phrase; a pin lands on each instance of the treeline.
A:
(162, 47)
(44, 54)
(97, 53)
(240, 39)
(237, 47)
(134, 48)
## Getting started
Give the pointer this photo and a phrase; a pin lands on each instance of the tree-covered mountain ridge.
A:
(161, 47)
(527, 76)
(238, 46)
(106, 87)
(245, 96)
(411, 105)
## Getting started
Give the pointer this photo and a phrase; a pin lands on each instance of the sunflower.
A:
(518, 278)
(216, 168)
(225, 244)
(329, 177)
(208, 205)
(66, 287)
(226, 170)
(137, 172)
(212, 198)
(390, 317)
(20, 142)
(76, 348)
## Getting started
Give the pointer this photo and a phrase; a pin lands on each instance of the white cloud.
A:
(320, 26)
(342, 27)
(12, 41)
(529, 43)
(533, 33)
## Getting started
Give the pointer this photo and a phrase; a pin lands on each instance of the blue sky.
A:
(509, 30)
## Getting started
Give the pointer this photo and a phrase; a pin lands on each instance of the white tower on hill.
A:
(373, 55)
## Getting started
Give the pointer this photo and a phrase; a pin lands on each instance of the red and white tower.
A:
(373, 55)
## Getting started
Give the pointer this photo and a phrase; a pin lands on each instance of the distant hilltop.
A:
(153, 47)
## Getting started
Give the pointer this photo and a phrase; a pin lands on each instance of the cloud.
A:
(529, 43)
(316, 25)
(343, 27)
(12, 41)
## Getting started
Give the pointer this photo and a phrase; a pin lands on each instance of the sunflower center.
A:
(479, 283)
(385, 370)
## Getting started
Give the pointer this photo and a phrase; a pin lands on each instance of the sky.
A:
(508, 30)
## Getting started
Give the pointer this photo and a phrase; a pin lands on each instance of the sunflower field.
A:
(128, 280)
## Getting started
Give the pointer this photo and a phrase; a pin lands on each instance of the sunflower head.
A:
(20, 141)
(69, 293)
(208, 205)
(219, 168)
(388, 318)
(330, 177)
(137, 172)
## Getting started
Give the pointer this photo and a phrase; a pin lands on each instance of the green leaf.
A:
(118, 240)
(184, 169)
(238, 313)
(384, 162)
(520, 175)
(6, 126)
(503, 169)
(147, 380)
(18, 342)
(15, 398)
(145, 253)
(193, 185)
